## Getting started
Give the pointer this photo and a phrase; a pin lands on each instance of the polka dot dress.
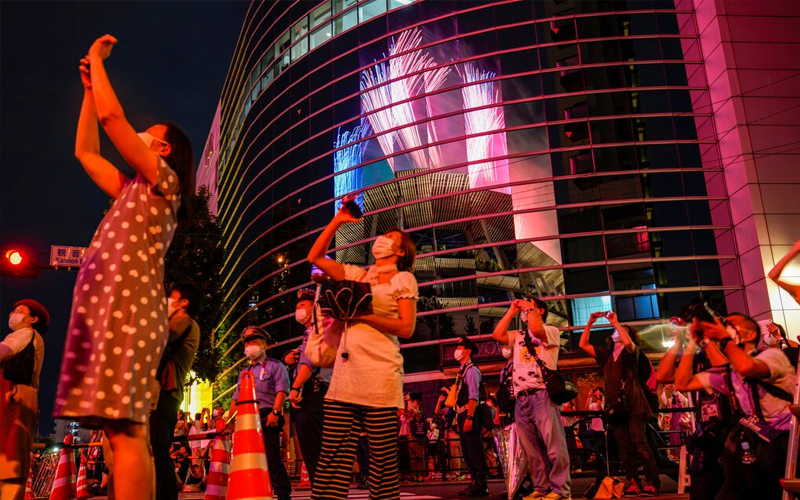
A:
(118, 326)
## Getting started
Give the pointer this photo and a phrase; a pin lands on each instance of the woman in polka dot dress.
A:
(118, 327)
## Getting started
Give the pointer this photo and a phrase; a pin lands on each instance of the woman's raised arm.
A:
(112, 117)
(87, 142)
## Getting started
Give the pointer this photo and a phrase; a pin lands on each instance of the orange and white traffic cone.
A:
(305, 482)
(249, 476)
(217, 486)
(83, 489)
(29, 484)
(64, 483)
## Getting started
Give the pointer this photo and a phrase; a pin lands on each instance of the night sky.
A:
(170, 64)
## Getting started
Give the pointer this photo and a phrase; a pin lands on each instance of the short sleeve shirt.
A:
(527, 373)
(270, 377)
(781, 374)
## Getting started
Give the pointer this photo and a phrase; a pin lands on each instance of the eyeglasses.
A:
(305, 291)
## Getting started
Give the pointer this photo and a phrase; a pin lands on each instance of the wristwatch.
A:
(295, 389)
(704, 342)
(470, 417)
(275, 412)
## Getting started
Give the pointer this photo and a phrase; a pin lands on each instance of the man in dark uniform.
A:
(470, 390)
(308, 387)
(184, 338)
(272, 385)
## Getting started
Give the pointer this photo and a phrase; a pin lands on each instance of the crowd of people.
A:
(130, 346)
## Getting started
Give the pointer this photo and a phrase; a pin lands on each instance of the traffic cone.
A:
(217, 486)
(83, 489)
(29, 484)
(249, 476)
(64, 483)
(305, 482)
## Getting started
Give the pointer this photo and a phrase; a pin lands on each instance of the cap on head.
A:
(306, 294)
(255, 332)
(468, 344)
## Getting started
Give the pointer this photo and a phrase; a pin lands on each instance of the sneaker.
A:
(555, 496)
(632, 488)
(649, 489)
(536, 495)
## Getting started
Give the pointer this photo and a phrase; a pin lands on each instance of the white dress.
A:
(373, 373)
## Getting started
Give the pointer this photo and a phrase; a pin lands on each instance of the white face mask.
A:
(383, 247)
(615, 336)
(506, 352)
(16, 321)
(301, 315)
(171, 307)
(460, 354)
(253, 351)
(148, 139)
(770, 340)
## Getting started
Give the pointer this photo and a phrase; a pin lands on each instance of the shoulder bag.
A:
(560, 387)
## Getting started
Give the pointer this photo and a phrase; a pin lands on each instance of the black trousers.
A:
(634, 449)
(472, 447)
(272, 444)
(162, 426)
(308, 423)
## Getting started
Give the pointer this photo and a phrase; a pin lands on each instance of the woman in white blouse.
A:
(366, 389)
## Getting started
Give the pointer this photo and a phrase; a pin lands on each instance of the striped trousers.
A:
(342, 425)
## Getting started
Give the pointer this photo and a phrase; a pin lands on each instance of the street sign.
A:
(61, 256)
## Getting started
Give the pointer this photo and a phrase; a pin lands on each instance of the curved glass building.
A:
(561, 149)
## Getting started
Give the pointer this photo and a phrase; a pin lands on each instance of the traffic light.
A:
(16, 264)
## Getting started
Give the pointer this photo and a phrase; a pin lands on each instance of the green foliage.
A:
(195, 258)
(442, 323)
(470, 328)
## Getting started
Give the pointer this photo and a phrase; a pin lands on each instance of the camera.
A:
(700, 310)
(349, 202)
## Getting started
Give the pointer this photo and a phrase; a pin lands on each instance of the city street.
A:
(448, 491)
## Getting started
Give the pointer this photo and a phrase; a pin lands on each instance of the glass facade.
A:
(558, 149)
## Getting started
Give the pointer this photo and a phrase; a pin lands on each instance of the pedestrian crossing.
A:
(363, 495)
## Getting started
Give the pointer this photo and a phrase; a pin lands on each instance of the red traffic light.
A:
(16, 264)
(14, 257)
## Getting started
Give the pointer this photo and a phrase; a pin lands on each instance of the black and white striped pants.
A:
(343, 424)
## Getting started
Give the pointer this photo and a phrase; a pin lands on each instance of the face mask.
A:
(615, 337)
(148, 139)
(460, 354)
(16, 321)
(506, 352)
(734, 334)
(383, 247)
(770, 340)
(253, 351)
(301, 315)
(171, 307)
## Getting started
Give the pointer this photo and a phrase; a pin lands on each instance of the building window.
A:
(300, 48)
(320, 14)
(370, 9)
(584, 307)
(320, 36)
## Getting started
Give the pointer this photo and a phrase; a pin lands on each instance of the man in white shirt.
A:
(21, 357)
(538, 418)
